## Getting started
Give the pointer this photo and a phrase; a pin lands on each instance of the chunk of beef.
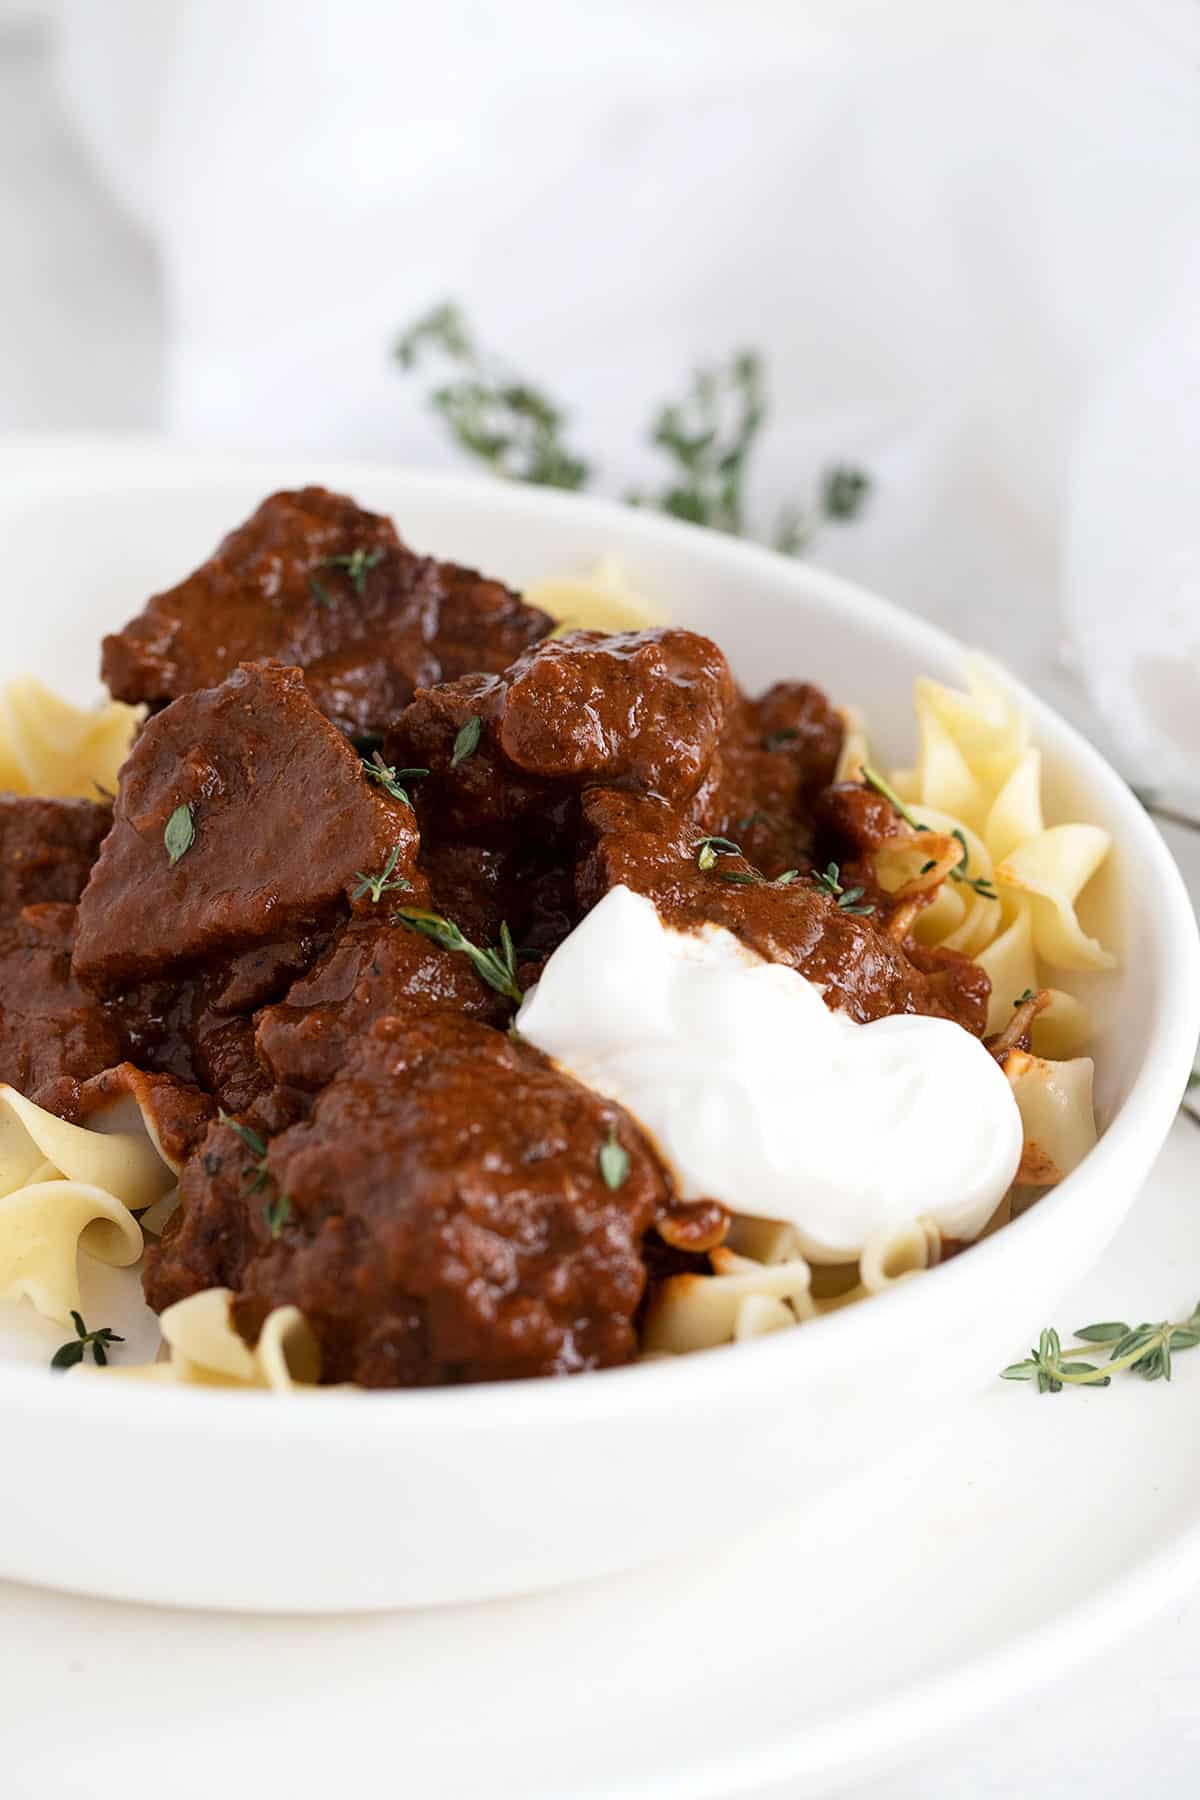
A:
(373, 970)
(51, 1033)
(638, 842)
(639, 709)
(776, 754)
(284, 823)
(201, 1028)
(313, 580)
(47, 849)
(448, 1217)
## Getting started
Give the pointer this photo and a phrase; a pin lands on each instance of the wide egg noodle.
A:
(1055, 1101)
(64, 1190)
(601, 601)
(51, 748)
(206, 1350)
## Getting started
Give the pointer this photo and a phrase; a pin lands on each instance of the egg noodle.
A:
(1005, 887)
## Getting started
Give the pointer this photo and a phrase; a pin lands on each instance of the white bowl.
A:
(212, 1498)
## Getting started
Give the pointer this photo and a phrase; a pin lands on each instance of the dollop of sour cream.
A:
(758, 1095)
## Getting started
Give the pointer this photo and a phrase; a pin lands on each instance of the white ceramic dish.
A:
(370, 1501)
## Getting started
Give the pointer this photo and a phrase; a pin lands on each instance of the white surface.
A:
(749, 1085)
(595, 1672)
(703, 1674)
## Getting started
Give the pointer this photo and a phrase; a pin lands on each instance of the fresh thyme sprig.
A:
(277, 1212)
(709, 848)
(76, 1348)
(490, 411)
(847, 898)
(1146, 1350)
(255, 1172)
(466, 740)
(387, 882)
(708, 437)
(497, 966)
(873, 779)
(389, 778)
(980, 884)
(357, 564)
(754, 878)
(180, 833)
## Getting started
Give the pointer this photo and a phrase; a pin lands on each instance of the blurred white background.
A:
(963, 234)
(964, 238)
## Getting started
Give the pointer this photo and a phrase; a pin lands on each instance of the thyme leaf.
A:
(180, 833)
(873, 779)
(356, 563)
(255, 1172)
(466, 740)
(1145, 1350)
(497, 965)
(75, 1349)
(389, 778)
(614, 1161)
(709, 848)
(830, 881)
(387, 882)
(277, 1212)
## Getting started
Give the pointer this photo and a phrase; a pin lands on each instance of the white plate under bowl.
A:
(332, 1502)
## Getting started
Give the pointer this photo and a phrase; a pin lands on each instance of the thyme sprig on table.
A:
(68, 1355)
(386, 882)
(707, 437)
(490, 411)
(496, 965)
(1145, 1350)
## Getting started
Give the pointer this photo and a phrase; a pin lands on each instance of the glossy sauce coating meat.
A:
(375, 968)
(775, 755)
(448, 1216)
(639, 843)
(313, 580)
(433, 1195)
(283, 821)
(47, 849)
(52, 1033)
